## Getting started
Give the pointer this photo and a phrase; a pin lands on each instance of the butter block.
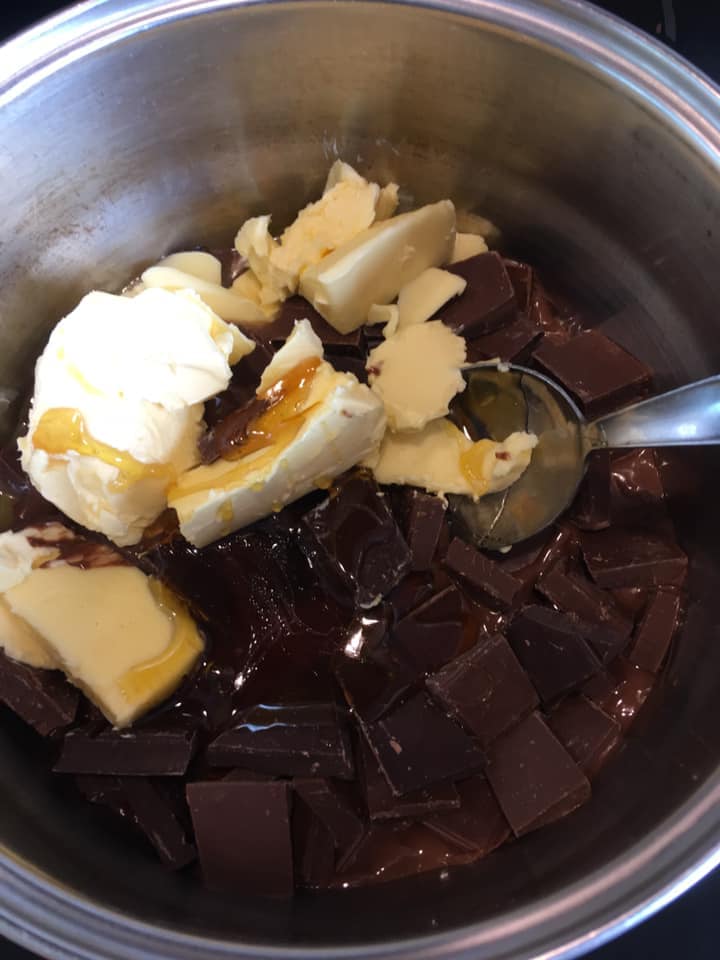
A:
(228, 304)
(20, 642)
(120, 636)
(468, 245)
(416, 373)
(423, 296)
(373, 267)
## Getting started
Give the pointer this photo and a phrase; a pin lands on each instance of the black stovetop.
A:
(690, 927)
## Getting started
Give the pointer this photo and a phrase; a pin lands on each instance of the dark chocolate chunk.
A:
(606, 642)
(430, 635)
(426, 516)
(227, 437)
(418, 745)
(588, 734)
(631, 600)
(478, 826)
(148, 808)
(244, 382)
(591, 508)
(533, 776)
(655, 631)
(242, 830)
(367, 632)
(486, 689)
(482, 573)
(372, 687)
(637, 474)
(598, 372)
(621, 692)
(313, 848)
(42, 698)
(358, 531)
(521, 277)
(333, 809)
(629, 558)
(551, 647)
(511, 342)
(293, 740)
(392, 850)
(489, 298)
(232, 264)
(139, 752)
(382, 804)
(412, 590)
(574, 594)
(297, 308)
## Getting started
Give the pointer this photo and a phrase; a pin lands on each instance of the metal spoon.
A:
(502, 398)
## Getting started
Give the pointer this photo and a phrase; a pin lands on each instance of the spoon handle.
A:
(688, 416)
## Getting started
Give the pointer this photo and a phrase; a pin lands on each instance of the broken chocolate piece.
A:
(486, 689)
(372, 687)
(574, 594)
(521, 277)
(232, 263)
(412, 590)
(629, 558)
(242, 830)
(489, 298)
(606, 642)
(292, 740)
(512, 342)
(598, 372)
(139, 752)
(637, 474)
(481, 573)
(382, 804)
(42, 698)
(533, 776)
(430, 635)
(655, 631)
(243, 384)
(367, 632)
(478, 826)
(426, 516)
(358, 532)
(418, 745)
(621, 692)
(551, 647)
(591, 507)
(588, 734)
(298, 308)
(227, 437)
(313, 848)
(333, 809)
(158, 821)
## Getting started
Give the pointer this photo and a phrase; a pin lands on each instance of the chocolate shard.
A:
(489, 298)
(139, 752)
(588, 734)
(630, 558)
(606, 642)
(551, 647)
(482, 574)
(367, 632)
(478, 826)
(140, 802)
(226, 438)
(521, 278)
(418, 745)
(533, 776)
(574, 594)
(412, 590)
(514, 341)
(298, 308)
(382, 804)
(242, 387)
(655, 631)
(360, 534)
(292, 740)
(486, 689)
(637, 474)
(371, 687)
(42, 698)
(598, 372)
(242, 830)
(313, 848)
(425, 520)
(591, 508)
(430, 635)
(621, 692)
(335, 811)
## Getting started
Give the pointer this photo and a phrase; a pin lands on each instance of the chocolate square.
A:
(42, 698)
(588, 734)
(242, 830)
(418, 745)
(425, 519)
(551, 647)
(572, 593)
(360, 534)
(313, 848)
(591, 507)
(482, 573)
(655, 631)
(333, 809)
(478, 826)
(138, 752)
(486, 689)
(382, 804)
(292, 740)
(430, 635)
(511, 342)
(533, 776)
(298, 308)
(633, 558)
(599, 373)
(489, 298)
(621, 692)
(521, 278)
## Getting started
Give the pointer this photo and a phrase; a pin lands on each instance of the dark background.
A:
(689, 928)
